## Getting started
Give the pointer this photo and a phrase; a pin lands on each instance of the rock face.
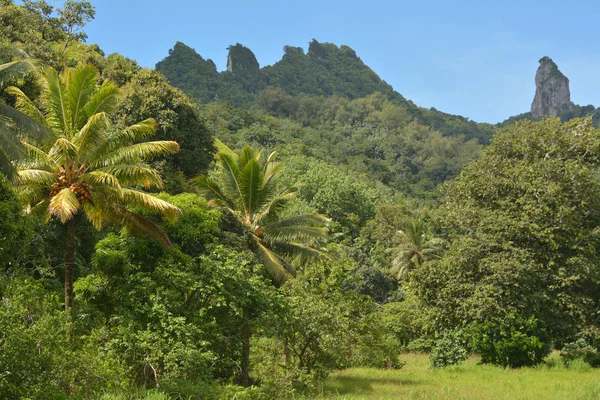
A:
(551, 90)
(241, 60)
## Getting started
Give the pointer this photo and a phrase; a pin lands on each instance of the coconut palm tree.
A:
(413, 249)
(88, 167)
(247, 188)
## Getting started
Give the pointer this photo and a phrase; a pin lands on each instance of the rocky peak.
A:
(551, 90)
(241, 60)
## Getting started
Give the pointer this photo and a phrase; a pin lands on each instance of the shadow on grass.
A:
(352, 384)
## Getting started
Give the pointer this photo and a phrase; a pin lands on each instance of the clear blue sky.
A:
(473, 58)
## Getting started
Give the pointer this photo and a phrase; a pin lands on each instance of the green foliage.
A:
(170, 316)
(449, 349)
(346, 198)
(374, 283)
(35, 360)
(511, 342)
(372, 136)
(327, 327)
(248, 188)
(406, 319)
(586, 347)
(523, 222)
(199, 78)
(148, 95)
(413, 250)
(15, 230)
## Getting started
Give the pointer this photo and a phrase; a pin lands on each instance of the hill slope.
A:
(325, 70)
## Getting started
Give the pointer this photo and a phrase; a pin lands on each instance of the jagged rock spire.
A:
(551, 90)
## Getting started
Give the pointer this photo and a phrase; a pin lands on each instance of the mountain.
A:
(325, 70)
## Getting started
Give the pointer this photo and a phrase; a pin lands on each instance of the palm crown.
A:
(413, 249)
(247, 188)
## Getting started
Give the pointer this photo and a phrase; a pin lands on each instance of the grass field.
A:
(466, 381)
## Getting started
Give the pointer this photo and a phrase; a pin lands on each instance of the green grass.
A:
(466, 381)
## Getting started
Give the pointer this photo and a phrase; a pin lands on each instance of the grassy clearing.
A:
(467, 381)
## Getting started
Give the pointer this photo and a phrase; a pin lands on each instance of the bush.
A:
(36, 360)
(586, 348)
(450, 349)
(406, 319)
(511, 342)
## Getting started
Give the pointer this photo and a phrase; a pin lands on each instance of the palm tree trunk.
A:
(244, 378)
(70, 264)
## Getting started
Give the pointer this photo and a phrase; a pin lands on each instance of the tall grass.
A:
(552, 380)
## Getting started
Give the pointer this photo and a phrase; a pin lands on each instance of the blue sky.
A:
(473, 58)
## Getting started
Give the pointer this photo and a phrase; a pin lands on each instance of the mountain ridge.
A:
(324, 70)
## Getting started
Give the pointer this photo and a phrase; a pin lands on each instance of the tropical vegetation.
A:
(294, 231)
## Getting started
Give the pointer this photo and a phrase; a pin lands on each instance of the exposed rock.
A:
(241, 60)
(552, 93)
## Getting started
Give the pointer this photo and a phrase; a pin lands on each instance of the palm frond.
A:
(27, 127)
(247, 154)
(136, 153)
(294, 233)
(231, 179)
(10, 145)
(11, 70)
(64, 205)
(294, 249)
(103, 210)
(13, 52)
(91, 135)
(138, 131)
(145, 201)
(36, 157)
(6, 166)
(80, 84)
(270, 211)
(269, 161)
(104, 100)
(210, 189)
(98, 177)
(134, 175)
(56, 101)
(24, 106)
(278, 269)
(302, 220)
(63, 152)
(36, 177)
(250, 184)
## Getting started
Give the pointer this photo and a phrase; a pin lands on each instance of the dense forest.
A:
(182, 233)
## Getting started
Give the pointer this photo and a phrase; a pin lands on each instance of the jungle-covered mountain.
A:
(329, 105)
(325, 70)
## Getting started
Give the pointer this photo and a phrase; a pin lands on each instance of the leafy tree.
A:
(413, 249)
(148, 95)
(523, 220)
(89, 166)
(247, 187)
(73, 16)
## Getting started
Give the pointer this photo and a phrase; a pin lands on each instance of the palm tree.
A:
(247, 188)
(413, 249)
(10, 146)
(88, 166)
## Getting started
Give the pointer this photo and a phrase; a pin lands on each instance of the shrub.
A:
(511, 342)
(585, 348)
(450, 349)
